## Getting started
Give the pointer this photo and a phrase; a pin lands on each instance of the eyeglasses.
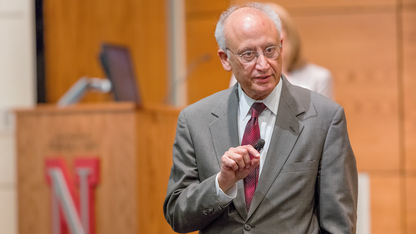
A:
(270, 52)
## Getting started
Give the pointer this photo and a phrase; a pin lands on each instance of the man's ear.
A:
(224, 60)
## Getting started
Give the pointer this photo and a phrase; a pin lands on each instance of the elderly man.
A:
(224, 180)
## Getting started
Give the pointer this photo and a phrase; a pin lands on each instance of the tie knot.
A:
(256, 109)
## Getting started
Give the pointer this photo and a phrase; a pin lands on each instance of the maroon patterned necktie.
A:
(251, 136)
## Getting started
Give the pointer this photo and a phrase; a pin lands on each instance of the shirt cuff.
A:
(224, 198)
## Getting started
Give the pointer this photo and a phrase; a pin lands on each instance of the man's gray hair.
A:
(219, 31)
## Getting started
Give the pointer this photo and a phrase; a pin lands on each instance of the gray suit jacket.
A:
(309, 179)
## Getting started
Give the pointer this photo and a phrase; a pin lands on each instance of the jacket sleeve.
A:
(337, 186)
(190, 204)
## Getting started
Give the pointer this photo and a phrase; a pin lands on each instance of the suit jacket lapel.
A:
(224, 129)
(224, 134)
(285, 134)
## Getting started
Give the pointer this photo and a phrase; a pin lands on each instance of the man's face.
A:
(250, 30)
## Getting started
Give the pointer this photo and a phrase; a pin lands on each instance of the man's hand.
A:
(236, 165)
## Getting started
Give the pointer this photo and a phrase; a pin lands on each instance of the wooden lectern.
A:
(133, 145)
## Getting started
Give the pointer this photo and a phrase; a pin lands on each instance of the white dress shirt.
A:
(266, 122)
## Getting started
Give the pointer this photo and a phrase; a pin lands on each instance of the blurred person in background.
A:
(296, 68)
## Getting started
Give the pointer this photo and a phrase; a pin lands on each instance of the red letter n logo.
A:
(72, 211)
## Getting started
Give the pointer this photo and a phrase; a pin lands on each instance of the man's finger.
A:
(250, 150)
(229, 162)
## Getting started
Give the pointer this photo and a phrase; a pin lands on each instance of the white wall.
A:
(178, 89)
(17, 89)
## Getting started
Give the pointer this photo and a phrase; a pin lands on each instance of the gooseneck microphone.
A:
(259, 145)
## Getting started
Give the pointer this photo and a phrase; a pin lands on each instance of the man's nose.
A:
(261, 62)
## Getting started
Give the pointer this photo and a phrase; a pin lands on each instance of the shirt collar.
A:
(271, 101)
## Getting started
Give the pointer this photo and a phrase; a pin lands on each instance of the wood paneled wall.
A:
(408, 55)
(209, 76)
(74, 31)
(369, 45)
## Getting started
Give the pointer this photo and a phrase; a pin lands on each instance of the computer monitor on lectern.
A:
(118, 66)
